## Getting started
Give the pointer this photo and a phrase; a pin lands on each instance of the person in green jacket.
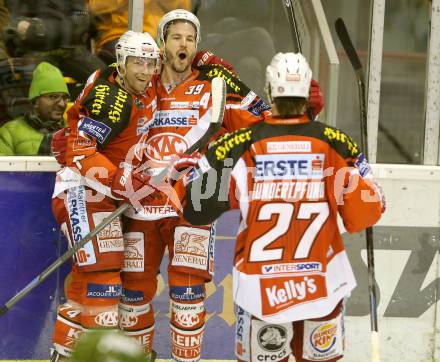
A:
(31, 134)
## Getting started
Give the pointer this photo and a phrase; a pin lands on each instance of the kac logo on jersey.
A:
(162, 147)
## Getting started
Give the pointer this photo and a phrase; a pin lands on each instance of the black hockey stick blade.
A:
(3, 310)
(352, 55)
(196, 7)
(288, 7)
(342, 32)
(218, 94)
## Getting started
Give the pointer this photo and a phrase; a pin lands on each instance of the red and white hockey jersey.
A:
(107, 127)
(184, 114)
(290, 179)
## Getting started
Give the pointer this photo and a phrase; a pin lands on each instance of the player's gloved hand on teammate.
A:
(184, 164)
(316, 98)
(205, 57)
(59, 145)
(132, 186)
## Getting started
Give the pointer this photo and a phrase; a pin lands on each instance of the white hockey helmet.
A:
(288, 75)
(135, 44)
(178, 14)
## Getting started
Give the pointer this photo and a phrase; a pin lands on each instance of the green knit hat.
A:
(46, 78)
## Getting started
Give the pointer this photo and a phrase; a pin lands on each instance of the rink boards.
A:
(407, 241)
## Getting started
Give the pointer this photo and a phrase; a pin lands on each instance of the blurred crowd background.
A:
(48, 48)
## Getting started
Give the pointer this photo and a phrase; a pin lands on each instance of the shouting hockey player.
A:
(184, 110)
(182, 116)
(103, 149)
(290, 178)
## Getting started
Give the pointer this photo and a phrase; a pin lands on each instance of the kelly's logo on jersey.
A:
(289, 166)
(177, 118)
(281, 293)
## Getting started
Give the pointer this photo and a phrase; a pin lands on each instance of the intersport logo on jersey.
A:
(175, 118)
(279, 294)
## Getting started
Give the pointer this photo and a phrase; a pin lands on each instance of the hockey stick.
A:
(218, 105)
(218, 93)
(341, 30)
(288, 7)
(62, 259)
(196, 7)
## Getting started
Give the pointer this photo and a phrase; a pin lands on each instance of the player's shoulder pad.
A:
(339, 140)
(233, 84)
(107, 102)
(236, 90)
(230, 145)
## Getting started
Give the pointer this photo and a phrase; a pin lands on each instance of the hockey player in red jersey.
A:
(183, 114)
(105, 146)
(290, 178)
(184, 109)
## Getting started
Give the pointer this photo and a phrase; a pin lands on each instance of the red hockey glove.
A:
(183, 165)
(59, 145)
(205, 57)
(316, 99)
(132, 186)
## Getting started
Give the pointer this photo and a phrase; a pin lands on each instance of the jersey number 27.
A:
(259, 250)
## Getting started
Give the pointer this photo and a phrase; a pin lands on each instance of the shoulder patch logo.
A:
(96, 129)
(335, 134)
(224, 145)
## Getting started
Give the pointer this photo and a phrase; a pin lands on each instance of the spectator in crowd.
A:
(52, 31)
(111, 21)
(31, 133)
(241, 39)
